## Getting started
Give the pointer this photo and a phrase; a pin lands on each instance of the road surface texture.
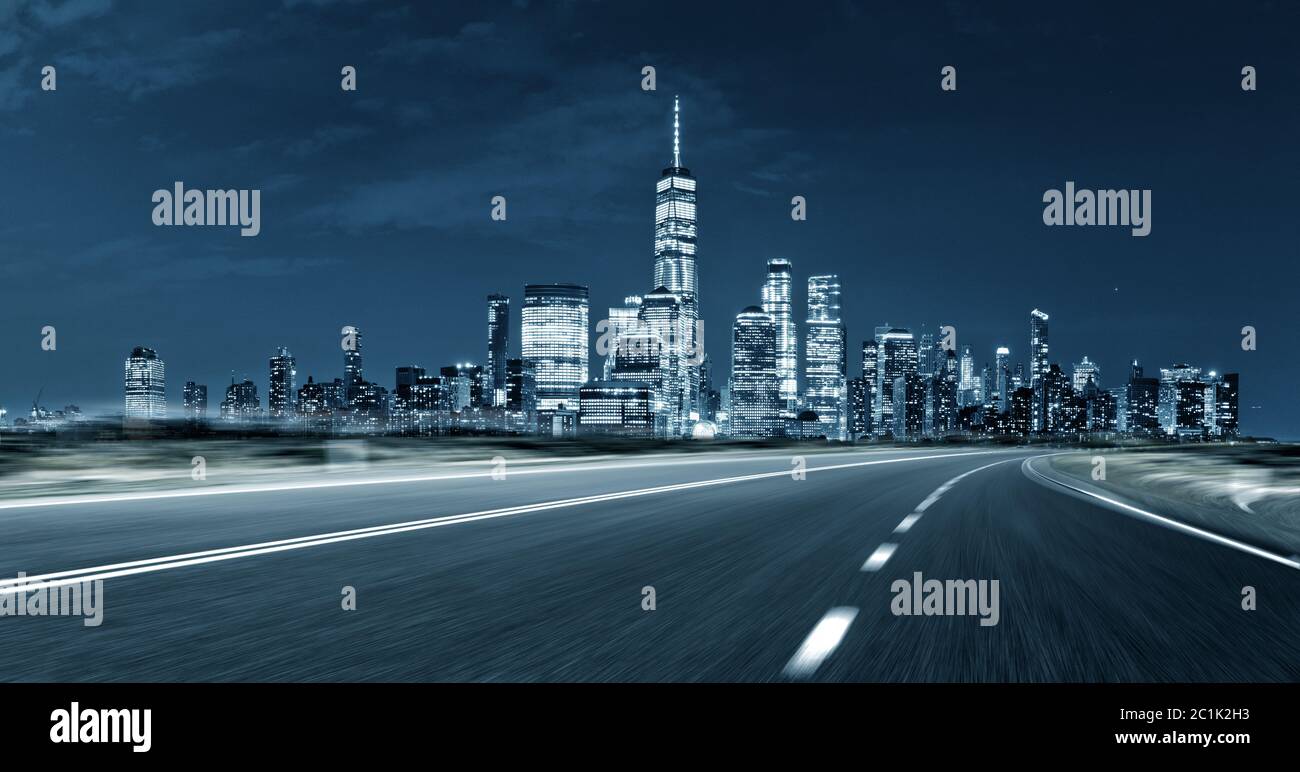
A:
(757, 576)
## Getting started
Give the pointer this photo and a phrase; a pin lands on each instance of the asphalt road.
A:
(763, 578)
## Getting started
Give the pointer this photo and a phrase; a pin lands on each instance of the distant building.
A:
(145, 385)
(616, 407)
(895, 358)
(1226, 409)
(195, 402)
(869, 384)
(313, 406)
(755, 409)
(1168, 405)
(521, 394)
(1085, 372)
(280, 392)
(778, 302)
(908, 406)
(241, 404)
(555, 341)
(498, 348)
(858, 409)
(353, 376)
(824, 376)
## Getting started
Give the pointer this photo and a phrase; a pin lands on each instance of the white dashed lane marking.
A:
(821, 642)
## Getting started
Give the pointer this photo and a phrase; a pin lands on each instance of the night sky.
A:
(375, 203)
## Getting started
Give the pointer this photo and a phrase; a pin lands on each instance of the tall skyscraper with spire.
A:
(777, 302)
(675, 237)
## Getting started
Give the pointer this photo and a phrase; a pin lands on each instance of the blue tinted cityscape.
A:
(657, 379)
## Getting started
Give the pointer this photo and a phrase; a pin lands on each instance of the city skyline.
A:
(582, 218)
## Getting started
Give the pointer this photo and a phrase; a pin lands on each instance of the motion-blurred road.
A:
(743, 570)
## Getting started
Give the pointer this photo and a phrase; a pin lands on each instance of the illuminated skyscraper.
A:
(1085, 371)
(777, 302)
(1001, 377)
(622, 320)
(352, 377)
(895, 357)
(146, 385)
(824, 376)
(1168, 405)
(869, 385)
(195, 402)
(663, 316)
(555, 341)
(755, 409)
(1037, 346)
(498, 348)
(966, 388)
(674, 244)
(280, 391)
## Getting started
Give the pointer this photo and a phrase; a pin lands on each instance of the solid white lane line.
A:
(880, 557)
(821, 642)
(1250, 549)
(907, 523)
(113, 498)
(57, 579)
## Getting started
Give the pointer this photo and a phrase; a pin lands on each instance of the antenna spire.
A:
(677, 134)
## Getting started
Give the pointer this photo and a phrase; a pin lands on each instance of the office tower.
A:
(966, 377)
(145, 385)
(664, 316)
(824, 376)
(925, 359)
(858, 408)
(675, 240)
(280, 390)
(241, 404)
(1142, 399)
(335, 393)
(313, 406)
(469, 382)
(1226, 413)
(869, 384)
(826, 356)
(407, 377)
(352, 376)
(1168, 405)
(895, 357)
(941, 406)
(1084, 372)
(1020, 416)
(616, 407)
(622, 319)
(1102, 409)
(1018, 376)
(1002, 376)
(195, 401)
(755, 390)
(498, 348)
(555, 341)
(642, 358)
(908, 406)
(1119, 396)
(1189, 408)
(710, 397)
(1037, 347)
(431, 393)
(777, 301)
(1049, 399)
(521, 393)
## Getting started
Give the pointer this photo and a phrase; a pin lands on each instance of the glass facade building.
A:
(825, 388)
(555, 341)
(145, 385)
(498, 348)
(777, 301)
(283, 381)
(675, 237)
(755, 409)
